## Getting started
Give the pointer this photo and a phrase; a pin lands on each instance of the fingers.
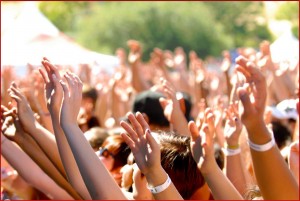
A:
(245, 99)
(193, 130)
(136, 125)
(142, 121)
(163, 102)
(44, 76)
(128, 141)
(132, 134)
(150, 139)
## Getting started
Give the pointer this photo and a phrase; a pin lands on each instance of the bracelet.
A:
(160, 188)
(263, 147)
(232, 146)
(231, 152)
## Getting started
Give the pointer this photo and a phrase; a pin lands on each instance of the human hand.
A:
(145, 149)
(263, 58)
(72, 93)
(233, 125)
(171, 106)
(11, 127)
(202, 143)
(200, 117)
(135, 51)
(139, 186)
(53, 90)
(7, 123)
(226, 63)
(253, 93)
(25, 113)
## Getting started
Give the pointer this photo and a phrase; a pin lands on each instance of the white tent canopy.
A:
(285, 48)
(27, 36)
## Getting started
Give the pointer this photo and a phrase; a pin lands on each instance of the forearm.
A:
(69, 162)
(32, 149)
(157, 178)
(221, 187)
(138, 82)
(234, 172)
(47, 142)
(228, 84)
(271, 184)
(39, 180)
(180, 125)
(90, 167)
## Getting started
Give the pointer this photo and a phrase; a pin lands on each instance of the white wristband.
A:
(160, 188)
(231, 152)
(263, 147)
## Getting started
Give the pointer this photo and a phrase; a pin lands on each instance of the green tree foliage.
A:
(290, 11)
(63, 14)
(206, 27)
(241, 20)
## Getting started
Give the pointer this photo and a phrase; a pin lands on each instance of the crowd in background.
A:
(226, 134)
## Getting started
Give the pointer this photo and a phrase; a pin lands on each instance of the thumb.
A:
(193, 130)
(245, 99)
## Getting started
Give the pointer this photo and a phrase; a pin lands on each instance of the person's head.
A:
(147, 103)
(96, 136)
(178, 162)
(281, 134)
(113, 153)
(286, 112)
(89, 97)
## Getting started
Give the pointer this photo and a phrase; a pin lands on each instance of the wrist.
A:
(231, 150)
(231, 145)
(156, 177)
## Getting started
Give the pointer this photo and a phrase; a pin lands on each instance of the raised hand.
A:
(202, 144)
(226, 63)
(53, 90)
(72, 98)
(146, 152)
(7, 123)
(145, 149)
(135, 51)
(233, 125)
(139, 186)
(253, 94)
(25, 114)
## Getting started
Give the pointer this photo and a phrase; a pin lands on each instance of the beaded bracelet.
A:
(160, 188)
(263, 147)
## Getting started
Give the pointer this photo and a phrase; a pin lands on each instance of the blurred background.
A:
(90, 32)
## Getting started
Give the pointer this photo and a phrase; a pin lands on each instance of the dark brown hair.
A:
(178, 162)
(117, 146)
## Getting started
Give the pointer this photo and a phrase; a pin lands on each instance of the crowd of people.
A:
(168, 128)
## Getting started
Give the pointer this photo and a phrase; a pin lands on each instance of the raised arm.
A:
(146, 152)
(202, 146)
(134, 59)
(274, 183)
(14, 131)
(172, 109)
(42, 136)
(54, 94)
(96, 177)
(32, 173)
(234, 168)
